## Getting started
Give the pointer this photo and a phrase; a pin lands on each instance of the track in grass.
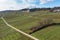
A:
(18, 30)
(25, 22)
(7, 33)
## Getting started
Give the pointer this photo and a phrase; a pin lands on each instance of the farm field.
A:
(7, 33)
(49, 33)
(24, 21)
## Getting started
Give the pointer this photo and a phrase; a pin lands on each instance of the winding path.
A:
(18, 30)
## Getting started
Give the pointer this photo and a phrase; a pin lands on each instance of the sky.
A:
(21, 4)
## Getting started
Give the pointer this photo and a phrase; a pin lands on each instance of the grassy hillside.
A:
(24, 21)
(49, 33)
(7, 33)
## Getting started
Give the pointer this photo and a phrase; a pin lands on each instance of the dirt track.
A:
(18, 30)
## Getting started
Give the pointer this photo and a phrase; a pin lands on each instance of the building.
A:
(55, 9)
(25, 10)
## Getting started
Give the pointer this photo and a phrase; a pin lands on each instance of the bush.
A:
(41, 24)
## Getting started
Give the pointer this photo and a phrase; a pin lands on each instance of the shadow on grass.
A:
(42, 27)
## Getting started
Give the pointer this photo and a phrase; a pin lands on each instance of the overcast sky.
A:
(20, 4)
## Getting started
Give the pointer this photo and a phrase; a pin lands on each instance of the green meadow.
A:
(26, 20)
(7, 33)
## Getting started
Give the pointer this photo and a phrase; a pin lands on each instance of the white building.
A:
(56, 9)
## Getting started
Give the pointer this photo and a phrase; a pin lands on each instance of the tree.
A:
(44, 22)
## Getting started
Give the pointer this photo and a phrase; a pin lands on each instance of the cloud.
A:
(50, 0)
(42, 1)
(20, 4)
(7, 4)
(14, 5)
(45, 1)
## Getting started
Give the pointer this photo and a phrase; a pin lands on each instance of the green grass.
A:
(7, 33)
(49, 33)
(24, 23)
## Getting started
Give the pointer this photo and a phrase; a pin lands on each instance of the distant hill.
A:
(31, 10)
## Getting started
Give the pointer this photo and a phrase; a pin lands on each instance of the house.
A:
(55, 9)
(25, 10)
(30, 10)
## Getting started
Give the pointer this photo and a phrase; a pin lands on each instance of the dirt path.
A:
(18, 30)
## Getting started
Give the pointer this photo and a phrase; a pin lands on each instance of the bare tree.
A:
(44, 22)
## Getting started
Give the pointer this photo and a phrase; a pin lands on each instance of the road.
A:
(18, 29)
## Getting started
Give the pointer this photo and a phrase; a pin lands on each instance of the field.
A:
(24, 21)
(50, 33)
(7, 33)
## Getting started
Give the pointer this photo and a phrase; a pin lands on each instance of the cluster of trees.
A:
(44, 9)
